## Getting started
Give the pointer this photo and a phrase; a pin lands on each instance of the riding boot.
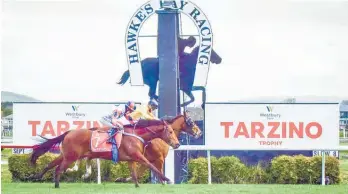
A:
(112, 132)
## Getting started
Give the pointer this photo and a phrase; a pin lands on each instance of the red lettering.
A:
(317, 126)
(298, 131)
(88, 124)
(283, 129)
(289, 129)
(62, 127)
(226, 126)
(274, 126)
(79, 124)
(33, 127)
(241, 130)
(257, 127)
(96, 124)
(271, 143)
(48, 129)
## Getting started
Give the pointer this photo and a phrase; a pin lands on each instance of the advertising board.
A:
(32, 120)
(272, 126)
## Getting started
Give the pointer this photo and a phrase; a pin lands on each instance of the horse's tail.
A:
(45, 146)
(124, 78)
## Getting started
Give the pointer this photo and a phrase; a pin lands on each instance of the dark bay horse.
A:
(157, 150)
(76, 144)
(187, 68)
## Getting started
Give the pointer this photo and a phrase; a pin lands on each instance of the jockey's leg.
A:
(107, 121)
(118, 139)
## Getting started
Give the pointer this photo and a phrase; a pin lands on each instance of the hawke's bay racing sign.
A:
(147, 10)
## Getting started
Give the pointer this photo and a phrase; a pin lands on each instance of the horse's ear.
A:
(165, 122)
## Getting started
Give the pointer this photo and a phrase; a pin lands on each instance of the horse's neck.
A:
(176, 125)
(146, 134)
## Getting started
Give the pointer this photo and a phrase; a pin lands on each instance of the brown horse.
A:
(76, 144)
(157, 150)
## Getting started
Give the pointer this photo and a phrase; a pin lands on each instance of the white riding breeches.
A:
(124, 121)
(106, 120)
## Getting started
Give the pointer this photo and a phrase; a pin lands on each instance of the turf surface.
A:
(84, 188)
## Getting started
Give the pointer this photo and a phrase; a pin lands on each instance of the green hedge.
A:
(281, 170)
(21, 170)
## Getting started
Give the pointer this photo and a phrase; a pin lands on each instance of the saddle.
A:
(102, 142)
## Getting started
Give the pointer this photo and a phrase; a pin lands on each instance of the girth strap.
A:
(133, 135)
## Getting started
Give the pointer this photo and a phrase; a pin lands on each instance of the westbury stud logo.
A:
(75, 108)
(75, 113)
(270, 115)
(269, 108)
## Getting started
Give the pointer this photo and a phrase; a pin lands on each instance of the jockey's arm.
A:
(115, 121)
(150, 116)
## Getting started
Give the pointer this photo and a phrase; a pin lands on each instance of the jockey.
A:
(118, 119)
(145, 111)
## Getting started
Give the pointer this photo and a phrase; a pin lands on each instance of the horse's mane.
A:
(171, 119)
(145, 123)
(148, 123)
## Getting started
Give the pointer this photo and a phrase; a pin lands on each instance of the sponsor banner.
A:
(32, 120)
(272, 126)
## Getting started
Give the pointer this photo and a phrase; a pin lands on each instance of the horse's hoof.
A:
(120, 180)
(56, 186)
(128, 179)
(136, 185)
(69, 170)
(35, 178)
(85, 176)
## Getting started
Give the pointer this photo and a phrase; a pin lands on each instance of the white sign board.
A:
(30, 120)
(327, 153)
(272, 126)
(21, 150)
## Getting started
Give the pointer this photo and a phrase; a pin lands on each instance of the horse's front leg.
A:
(159, 165)
(132, 167)
(141, 159)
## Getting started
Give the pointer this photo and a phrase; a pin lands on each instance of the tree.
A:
(6, 108)
(6, 112)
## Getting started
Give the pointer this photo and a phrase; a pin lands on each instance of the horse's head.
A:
(191, 41)
(190, 127)
(184, 123)
(215, 58)
(168, 135)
